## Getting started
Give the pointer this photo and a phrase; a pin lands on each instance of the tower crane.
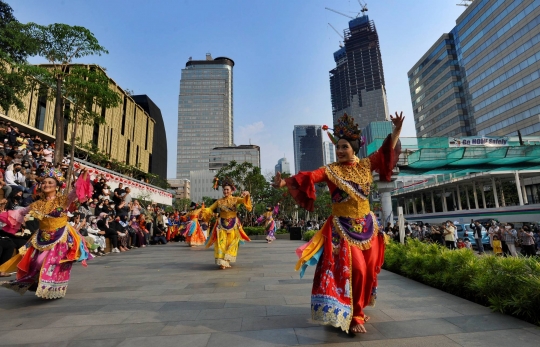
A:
(343, 14)
(337, 32)
(363, 6)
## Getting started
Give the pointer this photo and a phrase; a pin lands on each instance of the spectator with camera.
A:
(509, 238)
(476, 228)
(449, 235)
(527, 242)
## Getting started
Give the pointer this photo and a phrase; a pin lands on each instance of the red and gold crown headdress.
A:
(53, 173)
(345, 128)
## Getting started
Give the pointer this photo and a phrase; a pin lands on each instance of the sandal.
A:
(5, 274)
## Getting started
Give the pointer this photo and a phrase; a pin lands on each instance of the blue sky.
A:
(282, 50)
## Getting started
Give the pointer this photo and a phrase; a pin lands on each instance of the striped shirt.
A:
(509, 236)
(527, 238)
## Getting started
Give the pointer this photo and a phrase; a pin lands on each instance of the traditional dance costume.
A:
(270, 223)
(349, 249)
(193, 231)
(45, 267)
(227, 232)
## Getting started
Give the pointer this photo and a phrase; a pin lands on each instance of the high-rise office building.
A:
(205, 112)
(308, 147)
(374, 135)
(282, 166)
(357, 82)
(222, 156)
(483, 77)
(201, 185)
(158, 158)
(329, 152)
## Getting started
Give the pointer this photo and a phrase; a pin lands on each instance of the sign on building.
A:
(477, 141)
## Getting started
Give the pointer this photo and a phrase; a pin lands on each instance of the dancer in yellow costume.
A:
(227, 233)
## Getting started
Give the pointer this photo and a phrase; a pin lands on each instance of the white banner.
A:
(477, 141)
(139, 190)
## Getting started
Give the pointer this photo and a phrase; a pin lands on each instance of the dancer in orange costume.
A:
(349, 249)
(194, 233)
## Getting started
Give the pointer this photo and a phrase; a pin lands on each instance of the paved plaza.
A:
(174, 295)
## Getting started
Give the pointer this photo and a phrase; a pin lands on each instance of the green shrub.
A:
(254, 230)
(309, 234)
(261, 231)
(507, 285)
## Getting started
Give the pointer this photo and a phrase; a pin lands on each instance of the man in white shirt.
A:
(13, 177)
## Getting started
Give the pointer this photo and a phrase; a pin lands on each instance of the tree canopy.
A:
(16, 45)
(60, 44)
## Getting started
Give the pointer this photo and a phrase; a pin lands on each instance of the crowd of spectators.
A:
(111, 220)
(504, 238)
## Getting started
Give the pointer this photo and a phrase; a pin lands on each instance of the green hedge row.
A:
(261, 231)
(507, 285)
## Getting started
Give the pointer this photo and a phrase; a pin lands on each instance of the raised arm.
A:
(302, 186)
(206, 213)
(83, 189)
(385, 158)
(245, 199)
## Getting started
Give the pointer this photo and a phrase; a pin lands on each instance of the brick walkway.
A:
(174, 296)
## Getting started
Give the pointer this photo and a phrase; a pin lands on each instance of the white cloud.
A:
(246, 133)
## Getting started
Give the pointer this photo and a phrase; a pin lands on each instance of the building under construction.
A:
(357, 82)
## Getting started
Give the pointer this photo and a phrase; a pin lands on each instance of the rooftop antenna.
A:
(465, 3)
(364, 7)
(343, 14)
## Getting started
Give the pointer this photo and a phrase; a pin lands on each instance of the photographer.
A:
(436, 234)
(449, 235)
(527, 242)
(476, 228)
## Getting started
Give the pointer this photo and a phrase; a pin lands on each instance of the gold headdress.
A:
(53, 173)
(227, 181)
(345, 128)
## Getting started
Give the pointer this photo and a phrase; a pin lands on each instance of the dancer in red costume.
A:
(349, 249)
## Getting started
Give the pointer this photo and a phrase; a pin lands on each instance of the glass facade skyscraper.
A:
(329, 152)
(308, 147)
(357, 82)
(282, 166)
(205, 112)
(482, 78)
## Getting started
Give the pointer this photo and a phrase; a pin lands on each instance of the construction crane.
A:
(337, 32)
(343, 14)
(363, 6)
